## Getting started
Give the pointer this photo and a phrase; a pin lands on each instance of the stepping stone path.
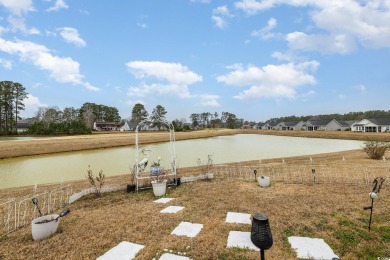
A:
(240, 218)
(124, 250)
(172, 209)
(187, 229)
(164, 200)
(312, 248)
(241, 240)
(306, 248)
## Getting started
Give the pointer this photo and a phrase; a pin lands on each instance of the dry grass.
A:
(331, 212)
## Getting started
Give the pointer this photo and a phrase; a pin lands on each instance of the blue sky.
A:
(256, 59)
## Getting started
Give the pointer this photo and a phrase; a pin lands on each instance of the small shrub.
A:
(98, 184)
(375, 149)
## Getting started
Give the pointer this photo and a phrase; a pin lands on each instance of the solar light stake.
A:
(313, 171)
(255, 172)
(374, 195)
(261, 235)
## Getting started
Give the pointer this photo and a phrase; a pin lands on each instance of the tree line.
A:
(70, 120)
(12, 95)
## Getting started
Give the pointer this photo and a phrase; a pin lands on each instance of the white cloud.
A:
(219, 21)
(209, 100)
(175, 78)
(31, 106)
(17, 24)
(6, 64)
(361, 89)
(220, 14)
(265, 33)
(71, 35)
(18, 7)
(323, 43)
(274, 81)
(286, 56)
(64, 70)
(142, 25)
(60, 4)
(346, 22)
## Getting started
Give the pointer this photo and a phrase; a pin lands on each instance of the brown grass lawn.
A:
(333, 212)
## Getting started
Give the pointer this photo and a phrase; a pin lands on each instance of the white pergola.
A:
(171, 148)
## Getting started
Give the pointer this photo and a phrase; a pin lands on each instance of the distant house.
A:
(271, 125)
(259, 126)
(378, 125)
(22, 126)
(127, 126)
(246, 127)
(324, 125)
(104, 126)
(291, 125)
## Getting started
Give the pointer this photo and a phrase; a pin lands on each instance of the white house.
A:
(104, 126)
(290, 125)
(324, 125)
(379, 125)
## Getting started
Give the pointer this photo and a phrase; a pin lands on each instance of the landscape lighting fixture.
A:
(255, 172)
(374, 195)
(261, 235)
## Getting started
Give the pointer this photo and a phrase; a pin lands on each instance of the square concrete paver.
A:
(168, 256)
(123, 251)
(187, 229)
(241, 240)
(164, 200)
(312, 248)
(240, 218)
(172, 209)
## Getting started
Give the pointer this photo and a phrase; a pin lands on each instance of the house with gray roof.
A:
(290, 125)
(324, 125)
(378, 125)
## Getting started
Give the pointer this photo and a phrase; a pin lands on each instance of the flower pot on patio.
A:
(44, 226)
(159, 188)
(264, 181)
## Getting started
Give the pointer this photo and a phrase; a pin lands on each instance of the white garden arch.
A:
(171, 148)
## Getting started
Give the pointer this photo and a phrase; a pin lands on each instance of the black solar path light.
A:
(261, 235)
(374, 195)
(255, 172)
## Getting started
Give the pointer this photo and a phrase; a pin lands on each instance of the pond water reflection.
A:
(117, 161)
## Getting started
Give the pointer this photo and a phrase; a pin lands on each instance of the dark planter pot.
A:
(130, 188)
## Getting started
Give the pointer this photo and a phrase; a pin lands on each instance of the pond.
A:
(54, 168)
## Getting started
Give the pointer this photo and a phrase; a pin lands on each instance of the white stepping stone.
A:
(311, 248)
(187, 229)
(172, 209)
(240, 218)
(241, 240)
(168, 256)
(164, 200)
(123, 251)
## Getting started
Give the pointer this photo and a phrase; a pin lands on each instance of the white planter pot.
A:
(44, 230)
(264, 181)
(159, 188)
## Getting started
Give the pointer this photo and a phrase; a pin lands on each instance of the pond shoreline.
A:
(51, 145)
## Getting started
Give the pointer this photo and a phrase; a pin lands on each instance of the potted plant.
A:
(45, 226)
(159, 182)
